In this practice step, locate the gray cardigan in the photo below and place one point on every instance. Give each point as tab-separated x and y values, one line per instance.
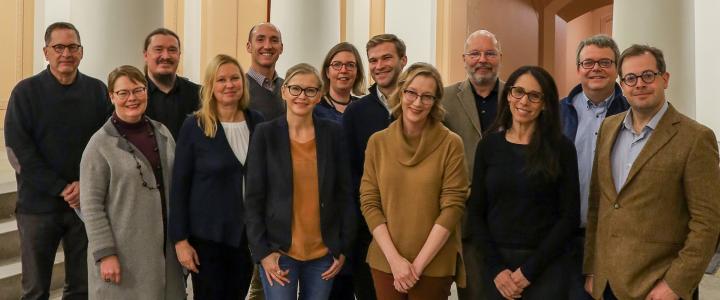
124	218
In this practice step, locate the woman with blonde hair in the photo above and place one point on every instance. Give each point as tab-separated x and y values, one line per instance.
300	222
413	192
207	224
124	182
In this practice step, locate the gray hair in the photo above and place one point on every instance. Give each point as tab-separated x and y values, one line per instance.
601	41
485	33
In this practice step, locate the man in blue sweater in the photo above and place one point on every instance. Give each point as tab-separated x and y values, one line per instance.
50	118
596	97
362	118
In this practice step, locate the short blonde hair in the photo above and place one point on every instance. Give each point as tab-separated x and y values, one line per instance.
303	68
207	115
437	112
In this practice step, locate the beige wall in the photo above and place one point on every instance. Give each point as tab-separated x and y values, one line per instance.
225	25
514	23
16	58
589	24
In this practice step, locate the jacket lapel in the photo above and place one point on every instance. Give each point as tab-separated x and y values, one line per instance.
604	165
322	144
467	100
282	151
662	134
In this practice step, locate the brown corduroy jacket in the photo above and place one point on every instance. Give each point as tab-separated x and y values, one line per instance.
664	222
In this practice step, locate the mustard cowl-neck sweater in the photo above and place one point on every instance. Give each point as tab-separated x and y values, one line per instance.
411	185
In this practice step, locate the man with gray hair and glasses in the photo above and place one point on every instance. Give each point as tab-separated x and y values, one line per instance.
49	121
471	106
596	97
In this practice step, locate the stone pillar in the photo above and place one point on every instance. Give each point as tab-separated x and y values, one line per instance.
669	26
309	29
112	32
707	61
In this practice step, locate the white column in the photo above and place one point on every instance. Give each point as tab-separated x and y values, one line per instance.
309	29
112	32
413	21
707	61
191	45
669	26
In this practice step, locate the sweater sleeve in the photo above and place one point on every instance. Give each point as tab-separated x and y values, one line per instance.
477	212
256	195
94	185
22	151
370	203
182	179
568	190
454	189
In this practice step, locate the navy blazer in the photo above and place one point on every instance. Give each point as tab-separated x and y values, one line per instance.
269	198
206	198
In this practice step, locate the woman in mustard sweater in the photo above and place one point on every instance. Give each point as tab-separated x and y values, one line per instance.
413	194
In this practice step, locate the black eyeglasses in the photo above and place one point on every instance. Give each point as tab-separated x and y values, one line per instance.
60	48
124	94
589	63
518	92
296	90
646	76
413	95
350	66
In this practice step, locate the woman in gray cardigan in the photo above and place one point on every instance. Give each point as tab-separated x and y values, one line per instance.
124	180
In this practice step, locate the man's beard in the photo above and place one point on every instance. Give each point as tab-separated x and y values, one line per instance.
481	79
164	79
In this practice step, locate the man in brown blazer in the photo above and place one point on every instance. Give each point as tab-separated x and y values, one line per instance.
654	208
471	106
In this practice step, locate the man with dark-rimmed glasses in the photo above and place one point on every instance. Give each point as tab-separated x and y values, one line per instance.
471	106
596	97
653	208
49	120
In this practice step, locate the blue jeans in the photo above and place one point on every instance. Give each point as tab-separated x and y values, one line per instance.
307	273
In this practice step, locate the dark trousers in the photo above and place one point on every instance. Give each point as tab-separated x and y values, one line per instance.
355	279
551	284
40	236
476	288
576	250
427	288
608	294
225	271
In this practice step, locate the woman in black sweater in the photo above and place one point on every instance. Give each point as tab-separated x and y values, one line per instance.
525	199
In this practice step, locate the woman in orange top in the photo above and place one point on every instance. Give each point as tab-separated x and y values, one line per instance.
298	202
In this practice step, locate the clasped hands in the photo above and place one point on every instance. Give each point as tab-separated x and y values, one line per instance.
405	273
274	273
511	284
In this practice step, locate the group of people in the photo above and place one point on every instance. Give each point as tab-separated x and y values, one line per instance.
274	188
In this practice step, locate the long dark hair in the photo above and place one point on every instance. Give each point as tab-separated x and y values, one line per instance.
542	157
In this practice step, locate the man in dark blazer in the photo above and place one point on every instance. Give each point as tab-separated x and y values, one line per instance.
582	112
362	118
471	106
654	214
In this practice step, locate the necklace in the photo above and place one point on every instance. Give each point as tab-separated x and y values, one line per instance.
333	102
138	166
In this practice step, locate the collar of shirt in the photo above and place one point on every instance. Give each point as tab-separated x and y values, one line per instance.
383	99
628	121
492	93
267	83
